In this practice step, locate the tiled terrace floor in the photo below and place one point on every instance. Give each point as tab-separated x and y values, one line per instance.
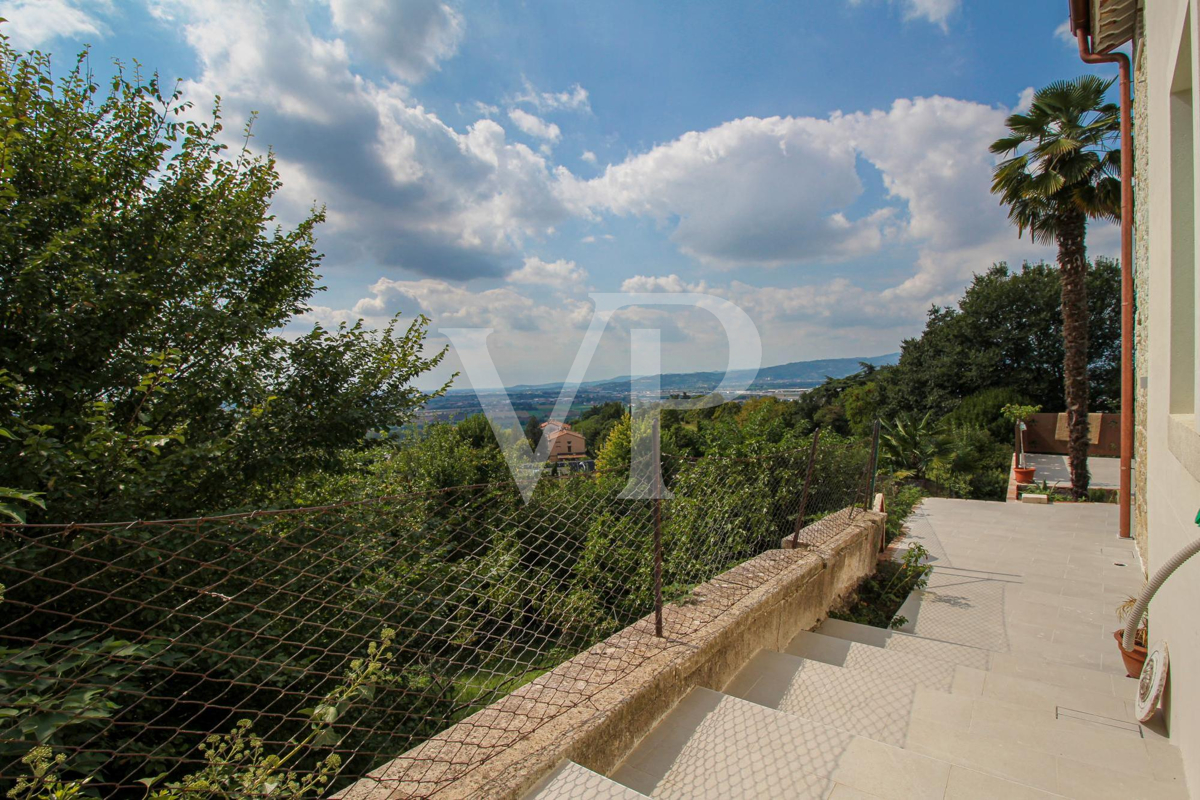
1054	470
1004	683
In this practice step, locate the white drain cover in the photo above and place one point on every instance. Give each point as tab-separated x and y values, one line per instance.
1150	685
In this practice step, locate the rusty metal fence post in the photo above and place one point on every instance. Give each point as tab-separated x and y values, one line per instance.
874	466
658	604
812	457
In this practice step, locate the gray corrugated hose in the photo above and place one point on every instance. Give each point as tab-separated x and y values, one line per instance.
1151	587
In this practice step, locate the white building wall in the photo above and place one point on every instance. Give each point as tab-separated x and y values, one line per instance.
1172	454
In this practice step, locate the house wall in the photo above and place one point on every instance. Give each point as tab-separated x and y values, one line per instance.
578	446
1171	463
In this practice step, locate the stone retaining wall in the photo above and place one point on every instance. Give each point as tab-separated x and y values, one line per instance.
594	708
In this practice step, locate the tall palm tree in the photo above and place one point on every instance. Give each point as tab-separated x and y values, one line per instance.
1063	168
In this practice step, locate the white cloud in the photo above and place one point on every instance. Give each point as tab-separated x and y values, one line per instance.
933	155
34	23
561	274
485	109
1065	35
534	126
937	12
407	189
751	191
574	98
1024	100
588	156
411	37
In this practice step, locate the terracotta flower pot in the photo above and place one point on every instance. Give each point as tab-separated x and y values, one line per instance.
1024	474
1134	659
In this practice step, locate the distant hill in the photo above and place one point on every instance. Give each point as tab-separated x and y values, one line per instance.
798	374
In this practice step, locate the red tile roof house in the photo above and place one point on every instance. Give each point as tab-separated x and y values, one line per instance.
565	444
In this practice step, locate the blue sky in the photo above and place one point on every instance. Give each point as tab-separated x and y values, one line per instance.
821	164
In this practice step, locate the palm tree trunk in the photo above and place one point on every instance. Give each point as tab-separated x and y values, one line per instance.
1072	263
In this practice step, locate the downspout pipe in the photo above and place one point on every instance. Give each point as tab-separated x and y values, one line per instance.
1080	22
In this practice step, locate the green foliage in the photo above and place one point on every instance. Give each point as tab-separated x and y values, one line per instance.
1063	159
11	498
914	447
1007	334
899	501
64	688
237	763
597	422
983	409
533	431
879	596
613	458
1015	412
143	282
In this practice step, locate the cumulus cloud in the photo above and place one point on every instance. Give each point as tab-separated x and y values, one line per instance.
34	23
410	37
575	98
534	126
408	190
933	155
588	156
759	191
561	274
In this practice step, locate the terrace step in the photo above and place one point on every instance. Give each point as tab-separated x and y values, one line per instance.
1011	742
574	782
853	700
884	664
715	746
956	679
1017	664
899	642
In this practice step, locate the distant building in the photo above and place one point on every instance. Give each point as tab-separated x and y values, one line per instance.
565	444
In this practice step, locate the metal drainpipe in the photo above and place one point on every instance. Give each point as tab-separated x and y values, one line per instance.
1122	62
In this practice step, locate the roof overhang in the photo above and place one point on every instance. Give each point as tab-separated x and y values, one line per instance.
1110	23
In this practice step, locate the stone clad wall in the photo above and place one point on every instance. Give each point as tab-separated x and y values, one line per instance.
1141	284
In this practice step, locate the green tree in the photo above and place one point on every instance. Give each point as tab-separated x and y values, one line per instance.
533	431
1063	168
914	447
1006	333
143	286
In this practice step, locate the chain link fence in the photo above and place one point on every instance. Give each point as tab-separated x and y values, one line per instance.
288	653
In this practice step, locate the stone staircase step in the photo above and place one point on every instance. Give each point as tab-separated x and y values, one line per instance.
900	667
900	642
883	709
1021	665
853	700
716	746
1043	753
574	782
954	678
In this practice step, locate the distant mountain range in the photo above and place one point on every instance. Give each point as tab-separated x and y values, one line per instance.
798	374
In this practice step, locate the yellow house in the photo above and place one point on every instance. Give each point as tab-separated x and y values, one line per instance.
565	444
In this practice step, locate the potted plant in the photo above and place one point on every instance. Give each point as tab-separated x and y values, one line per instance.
1017	414
1134	659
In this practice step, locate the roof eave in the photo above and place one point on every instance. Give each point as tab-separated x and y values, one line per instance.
1112	23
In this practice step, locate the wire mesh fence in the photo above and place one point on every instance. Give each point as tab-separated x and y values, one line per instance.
290	652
